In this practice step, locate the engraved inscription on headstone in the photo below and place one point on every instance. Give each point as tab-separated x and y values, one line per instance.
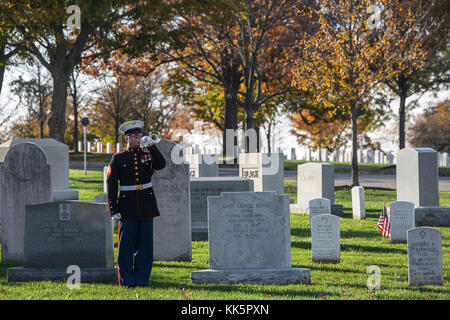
250	172
249	240
425	256
325	231
61	231
64	212
239	233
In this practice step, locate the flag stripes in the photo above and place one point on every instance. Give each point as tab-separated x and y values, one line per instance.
383	223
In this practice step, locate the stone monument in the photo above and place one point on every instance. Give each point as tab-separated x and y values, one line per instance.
418	182
58	159
315	180
25	179
325	242
250	240
172	229
201	188
66	233
401	219
265	169
425	257
318	206
358	203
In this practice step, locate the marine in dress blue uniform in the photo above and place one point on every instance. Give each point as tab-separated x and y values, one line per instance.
134	204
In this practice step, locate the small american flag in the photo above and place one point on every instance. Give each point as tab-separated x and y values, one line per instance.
383	223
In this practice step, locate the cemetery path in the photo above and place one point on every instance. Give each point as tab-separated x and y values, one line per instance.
341	179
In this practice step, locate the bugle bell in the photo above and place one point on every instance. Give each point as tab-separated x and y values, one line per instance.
149	140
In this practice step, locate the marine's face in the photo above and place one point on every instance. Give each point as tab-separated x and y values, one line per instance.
134	140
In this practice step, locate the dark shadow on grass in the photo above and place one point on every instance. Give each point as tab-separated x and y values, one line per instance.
93	180
352	248
278	290
380	249
191	266
301	232
301	244
331	267
360	234
356	285
429	289
370	213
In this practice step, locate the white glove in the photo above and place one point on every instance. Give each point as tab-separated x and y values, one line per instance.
117	216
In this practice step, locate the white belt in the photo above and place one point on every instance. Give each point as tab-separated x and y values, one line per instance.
136	187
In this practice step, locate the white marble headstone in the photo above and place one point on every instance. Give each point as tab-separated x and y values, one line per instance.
265	169
325	232
358	203
249	230
249	240
417	176
318	206
425	256
401	215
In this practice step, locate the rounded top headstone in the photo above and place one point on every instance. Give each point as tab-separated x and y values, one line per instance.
26	161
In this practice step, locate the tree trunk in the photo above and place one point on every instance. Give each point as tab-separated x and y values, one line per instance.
355	176
269	136
57	120
257	139
75	128
250	125
230	123
75	114
3	60
401	119
116	131
2	76
41	128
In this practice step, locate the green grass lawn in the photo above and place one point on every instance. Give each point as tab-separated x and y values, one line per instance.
361	246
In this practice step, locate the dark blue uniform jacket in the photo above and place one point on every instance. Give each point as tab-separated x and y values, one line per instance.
133	167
